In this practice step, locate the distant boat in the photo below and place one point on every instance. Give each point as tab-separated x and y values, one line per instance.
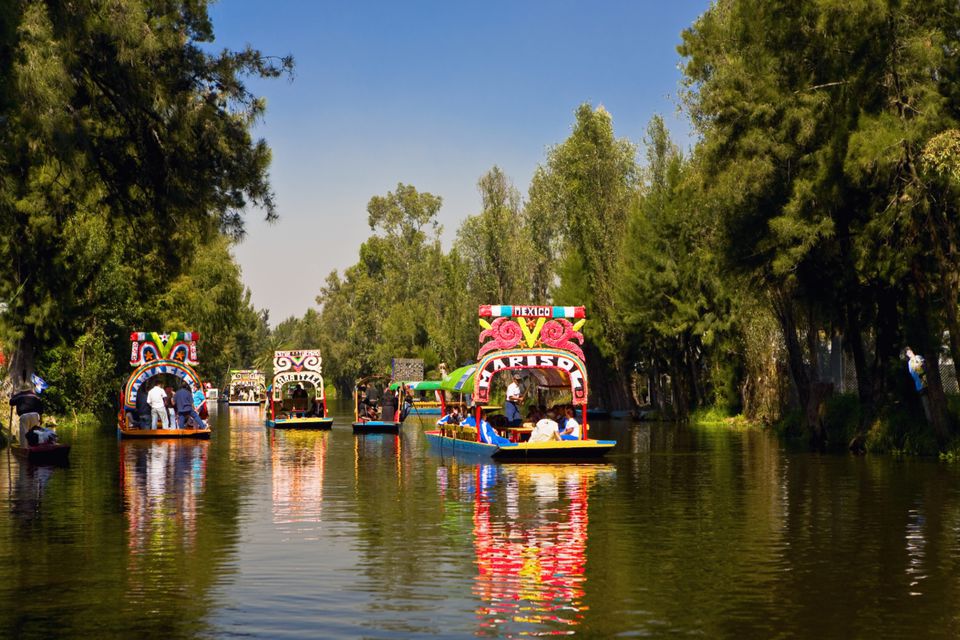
247	388
299	368
365	409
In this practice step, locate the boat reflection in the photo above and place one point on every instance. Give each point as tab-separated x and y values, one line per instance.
298	459
26	485
162	481
530	540
247	438
372	451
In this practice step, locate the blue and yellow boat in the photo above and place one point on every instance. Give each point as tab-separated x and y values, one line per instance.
541	343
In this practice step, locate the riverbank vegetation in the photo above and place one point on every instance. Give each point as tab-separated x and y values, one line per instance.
776	269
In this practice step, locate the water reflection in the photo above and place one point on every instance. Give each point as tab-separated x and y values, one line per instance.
29	484
530	539
373	451
298	459
162	482
248	436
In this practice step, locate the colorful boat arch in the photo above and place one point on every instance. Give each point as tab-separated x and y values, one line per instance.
552	368
155	368
541	339
304	365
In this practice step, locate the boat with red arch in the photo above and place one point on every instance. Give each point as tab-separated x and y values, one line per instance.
291	405
153	354
544	345
376	408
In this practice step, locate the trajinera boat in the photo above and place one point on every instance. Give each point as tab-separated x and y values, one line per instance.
425	396
291	405
247	388
541	343
153	354
375	406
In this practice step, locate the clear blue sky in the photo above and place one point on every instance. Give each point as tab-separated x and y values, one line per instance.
431	94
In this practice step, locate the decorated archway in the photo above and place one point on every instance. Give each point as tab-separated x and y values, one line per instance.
153	369
154	354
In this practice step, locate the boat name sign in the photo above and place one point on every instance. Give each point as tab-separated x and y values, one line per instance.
538	361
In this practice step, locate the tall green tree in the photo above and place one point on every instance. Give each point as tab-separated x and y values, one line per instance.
496	243
125	144
589	182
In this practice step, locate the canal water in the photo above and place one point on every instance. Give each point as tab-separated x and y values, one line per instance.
685	530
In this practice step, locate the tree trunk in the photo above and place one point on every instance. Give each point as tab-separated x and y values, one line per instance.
609	383
22	361
929	348
853	340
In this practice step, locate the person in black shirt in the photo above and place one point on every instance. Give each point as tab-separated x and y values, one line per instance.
29	407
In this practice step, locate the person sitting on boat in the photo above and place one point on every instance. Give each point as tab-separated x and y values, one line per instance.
156	398
41	435
571	428
316	408
29	407
487	433
453	417
514	399
545	430
183	400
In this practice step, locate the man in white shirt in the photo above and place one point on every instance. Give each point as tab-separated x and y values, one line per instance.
158	407
514	398
544	431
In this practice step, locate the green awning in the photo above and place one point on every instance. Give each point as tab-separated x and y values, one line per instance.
421	385
460	380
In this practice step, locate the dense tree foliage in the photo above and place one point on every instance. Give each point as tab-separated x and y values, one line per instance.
125	151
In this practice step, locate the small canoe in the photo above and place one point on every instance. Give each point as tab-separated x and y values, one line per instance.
300	423
164	433
43	453
376	426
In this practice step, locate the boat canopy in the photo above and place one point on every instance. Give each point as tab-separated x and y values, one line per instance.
154	354
539	340
421	385
459	380
301	366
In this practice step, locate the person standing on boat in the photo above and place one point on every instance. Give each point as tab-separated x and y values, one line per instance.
156	398
514	399
388	406
143	410
29	407
168	401
183	401
200	402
